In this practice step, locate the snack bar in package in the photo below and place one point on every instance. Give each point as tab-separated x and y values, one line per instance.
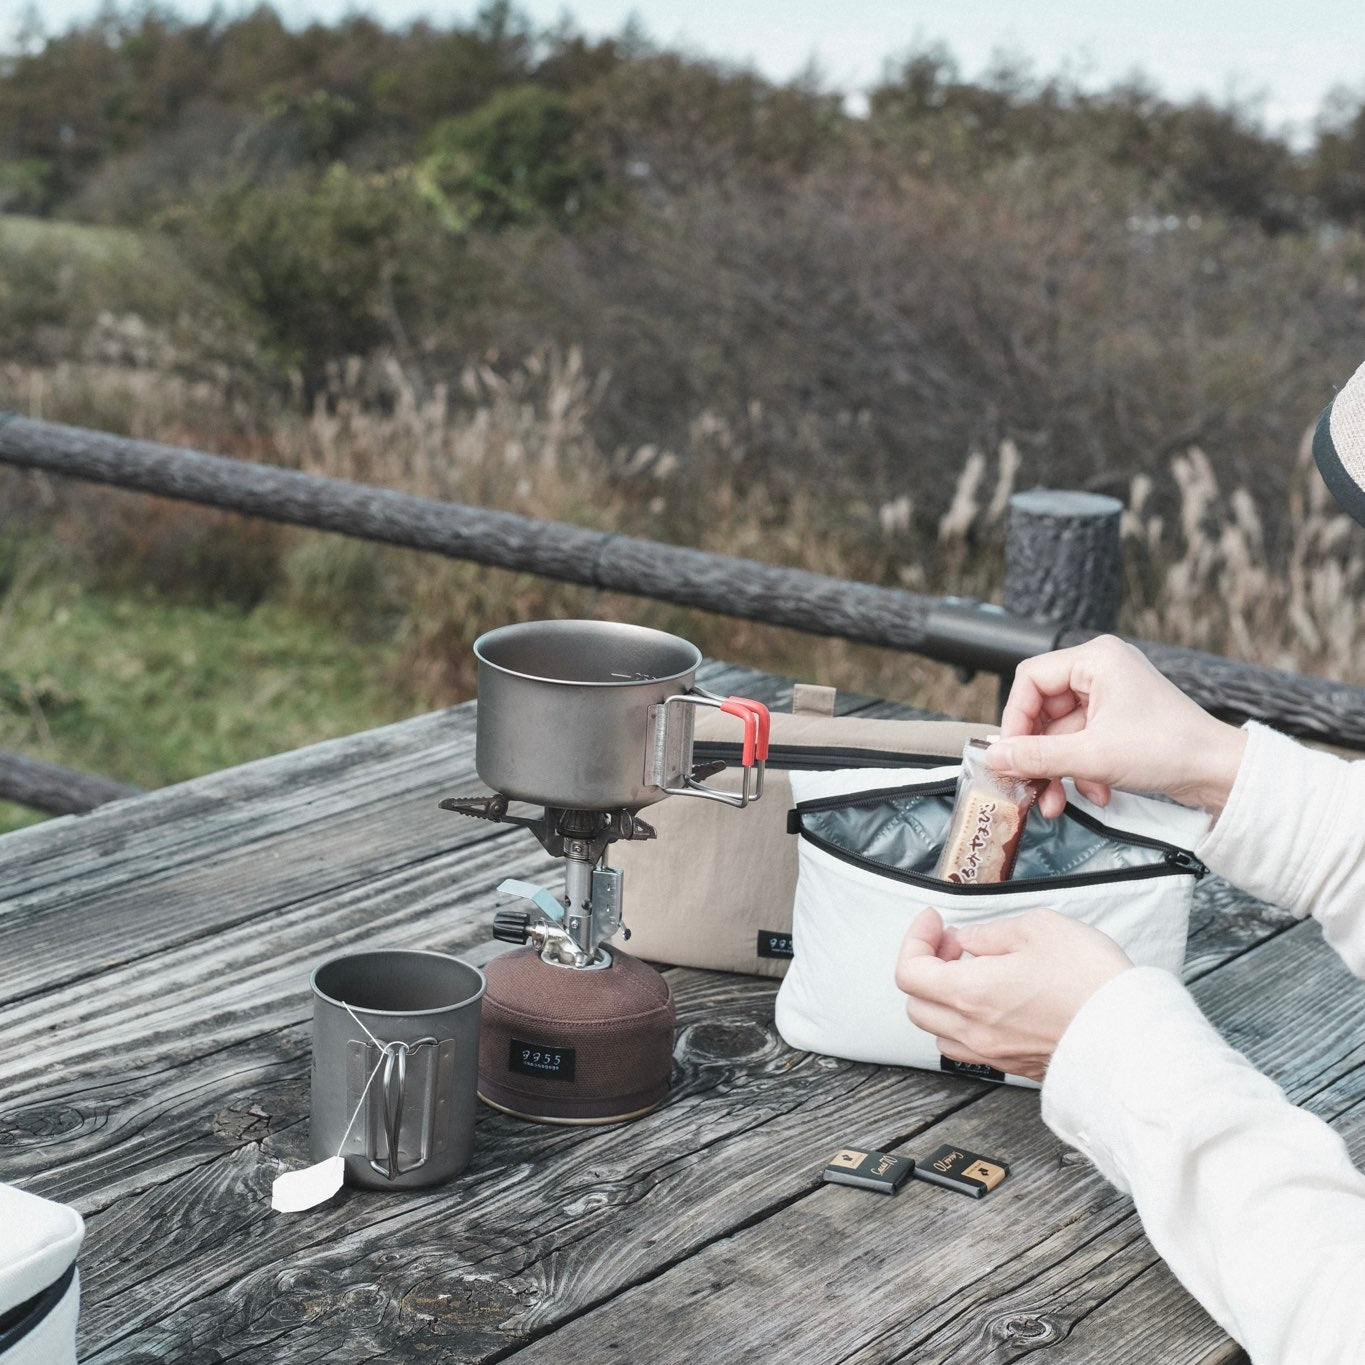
988	822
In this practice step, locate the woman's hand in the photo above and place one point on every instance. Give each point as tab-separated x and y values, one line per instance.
1101	714
1008	1004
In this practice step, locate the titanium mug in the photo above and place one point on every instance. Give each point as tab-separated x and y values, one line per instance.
411	1034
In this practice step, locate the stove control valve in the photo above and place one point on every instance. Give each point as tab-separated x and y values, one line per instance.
512	926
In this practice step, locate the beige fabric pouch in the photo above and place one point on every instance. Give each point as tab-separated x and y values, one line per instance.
716	888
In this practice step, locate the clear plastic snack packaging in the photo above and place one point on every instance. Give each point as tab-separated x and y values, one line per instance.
988	822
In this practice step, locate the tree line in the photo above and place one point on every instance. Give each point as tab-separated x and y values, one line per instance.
1089	273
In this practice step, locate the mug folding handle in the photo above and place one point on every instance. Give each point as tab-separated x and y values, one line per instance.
393	1086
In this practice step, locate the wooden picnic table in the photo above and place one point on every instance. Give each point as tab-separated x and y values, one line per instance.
154	1016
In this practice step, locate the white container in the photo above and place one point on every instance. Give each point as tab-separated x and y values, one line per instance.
39	1285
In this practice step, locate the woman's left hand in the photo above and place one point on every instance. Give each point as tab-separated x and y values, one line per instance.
1008	1001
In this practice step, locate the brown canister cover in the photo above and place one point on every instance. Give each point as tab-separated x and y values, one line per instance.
601	1041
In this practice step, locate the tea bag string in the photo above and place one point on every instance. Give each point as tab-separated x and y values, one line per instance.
384	1050
295	1191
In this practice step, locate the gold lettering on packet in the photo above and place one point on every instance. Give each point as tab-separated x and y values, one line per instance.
987	1172
848	1159
945	1163
884	1165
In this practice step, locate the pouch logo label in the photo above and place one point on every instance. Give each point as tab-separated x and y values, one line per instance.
976	1070
772	943
536	1059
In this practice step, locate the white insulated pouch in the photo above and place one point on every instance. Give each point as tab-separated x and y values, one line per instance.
868	845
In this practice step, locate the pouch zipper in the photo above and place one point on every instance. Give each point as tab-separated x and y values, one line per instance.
802	756
1175	861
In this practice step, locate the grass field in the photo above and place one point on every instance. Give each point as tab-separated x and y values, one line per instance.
152	692
79	240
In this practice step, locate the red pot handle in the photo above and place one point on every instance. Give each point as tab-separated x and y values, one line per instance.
765	724
737	706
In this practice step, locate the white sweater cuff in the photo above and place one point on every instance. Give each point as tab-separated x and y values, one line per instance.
1137	1051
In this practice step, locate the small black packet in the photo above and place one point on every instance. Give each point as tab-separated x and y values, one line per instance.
869	1170
955	1168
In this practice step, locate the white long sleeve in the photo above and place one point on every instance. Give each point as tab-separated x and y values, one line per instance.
1253	1203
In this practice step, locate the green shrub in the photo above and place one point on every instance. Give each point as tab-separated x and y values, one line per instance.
514	160
316	257
172	551
26	185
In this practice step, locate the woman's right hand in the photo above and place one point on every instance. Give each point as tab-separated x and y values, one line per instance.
1101	714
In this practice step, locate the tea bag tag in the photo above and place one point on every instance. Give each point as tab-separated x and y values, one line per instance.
295	1191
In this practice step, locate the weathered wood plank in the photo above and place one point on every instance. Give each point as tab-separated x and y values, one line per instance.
710	1036
164	1093
235	846
549	1218
705	1304
145	1020
601	559
247	982
1311	708
1063	558
840	1274
104	842
155	1029
1224	922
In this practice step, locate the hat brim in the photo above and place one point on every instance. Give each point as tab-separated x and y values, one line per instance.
1343	487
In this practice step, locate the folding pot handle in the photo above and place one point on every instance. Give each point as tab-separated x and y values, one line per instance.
753	754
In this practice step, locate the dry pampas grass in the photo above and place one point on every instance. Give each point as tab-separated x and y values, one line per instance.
1206	565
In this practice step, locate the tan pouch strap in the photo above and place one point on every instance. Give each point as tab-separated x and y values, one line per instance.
812	699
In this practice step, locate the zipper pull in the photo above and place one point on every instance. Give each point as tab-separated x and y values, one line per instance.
1186	862
794	822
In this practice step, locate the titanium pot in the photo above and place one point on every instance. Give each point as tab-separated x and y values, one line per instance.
596	715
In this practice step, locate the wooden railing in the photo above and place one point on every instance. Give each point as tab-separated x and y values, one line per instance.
1061	574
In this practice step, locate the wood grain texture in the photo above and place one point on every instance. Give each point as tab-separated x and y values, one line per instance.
1311	708
155	1074
235	846
1053	1261
735	587
549	1220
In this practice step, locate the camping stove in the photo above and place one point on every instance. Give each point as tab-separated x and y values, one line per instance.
589	721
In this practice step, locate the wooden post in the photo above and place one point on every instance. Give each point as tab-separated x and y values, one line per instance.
1062	561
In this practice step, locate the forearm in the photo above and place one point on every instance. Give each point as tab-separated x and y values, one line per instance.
1292	833
1252	1202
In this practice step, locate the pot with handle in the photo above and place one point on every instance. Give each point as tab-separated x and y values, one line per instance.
598	715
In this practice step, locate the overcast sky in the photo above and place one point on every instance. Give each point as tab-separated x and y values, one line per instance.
1290	53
